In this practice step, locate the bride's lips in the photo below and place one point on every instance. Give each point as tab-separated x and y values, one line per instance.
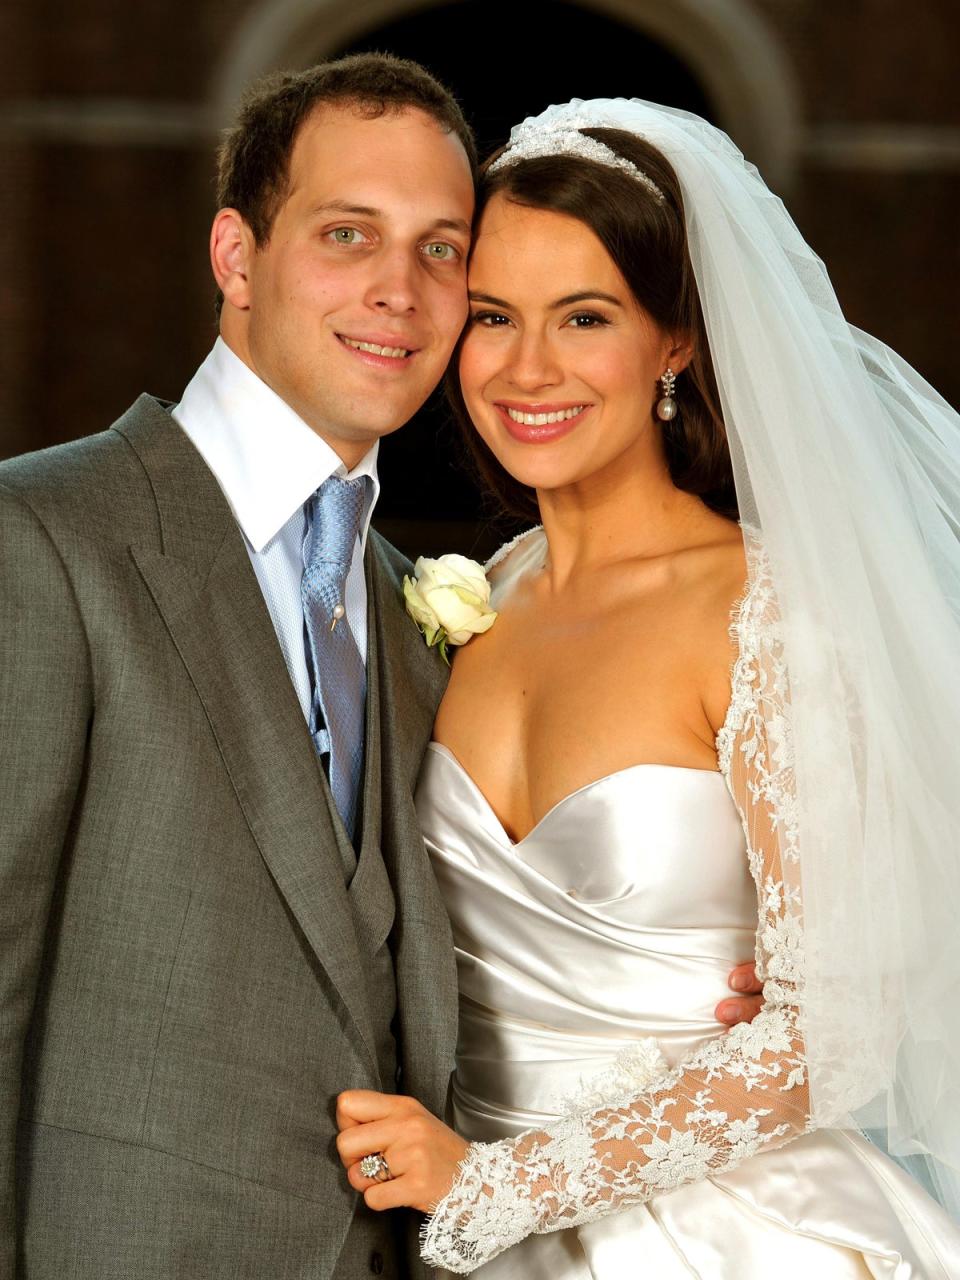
379	351
528	421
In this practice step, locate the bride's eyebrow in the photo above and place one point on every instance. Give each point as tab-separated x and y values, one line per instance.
488	298
587	295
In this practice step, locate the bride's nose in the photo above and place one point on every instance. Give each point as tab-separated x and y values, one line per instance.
533	363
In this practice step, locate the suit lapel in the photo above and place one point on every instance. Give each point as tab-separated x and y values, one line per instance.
204	586
370	893
412	676
411	681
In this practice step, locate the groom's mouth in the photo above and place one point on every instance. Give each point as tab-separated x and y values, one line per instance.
380	353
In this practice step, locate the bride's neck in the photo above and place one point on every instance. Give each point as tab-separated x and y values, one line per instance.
624	512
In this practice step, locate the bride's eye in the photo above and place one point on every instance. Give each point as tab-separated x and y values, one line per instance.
492	319
587	320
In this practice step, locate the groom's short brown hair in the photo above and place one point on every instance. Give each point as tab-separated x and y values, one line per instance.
254	157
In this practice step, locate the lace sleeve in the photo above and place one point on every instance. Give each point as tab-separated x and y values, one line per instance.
739	1093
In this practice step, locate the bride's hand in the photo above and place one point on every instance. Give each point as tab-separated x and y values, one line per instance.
422	1153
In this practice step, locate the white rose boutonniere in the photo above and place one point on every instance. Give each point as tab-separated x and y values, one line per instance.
449	600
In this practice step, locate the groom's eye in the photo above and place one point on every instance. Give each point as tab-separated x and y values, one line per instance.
440	251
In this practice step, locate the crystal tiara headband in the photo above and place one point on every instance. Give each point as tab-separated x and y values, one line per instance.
536	139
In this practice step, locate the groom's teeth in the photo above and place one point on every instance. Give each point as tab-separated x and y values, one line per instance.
395	353
542	419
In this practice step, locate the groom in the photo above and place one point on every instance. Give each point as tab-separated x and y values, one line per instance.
215	907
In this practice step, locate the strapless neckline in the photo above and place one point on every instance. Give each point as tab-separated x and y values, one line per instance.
628	771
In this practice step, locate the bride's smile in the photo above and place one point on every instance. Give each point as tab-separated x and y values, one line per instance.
538	422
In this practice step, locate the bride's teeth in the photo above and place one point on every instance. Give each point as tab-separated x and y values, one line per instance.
542	419
394	353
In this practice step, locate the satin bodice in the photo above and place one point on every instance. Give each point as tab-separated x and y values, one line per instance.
671	839
617	917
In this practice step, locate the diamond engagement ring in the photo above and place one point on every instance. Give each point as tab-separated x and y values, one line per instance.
375	1167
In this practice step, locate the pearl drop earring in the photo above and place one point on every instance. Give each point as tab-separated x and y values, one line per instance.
667	407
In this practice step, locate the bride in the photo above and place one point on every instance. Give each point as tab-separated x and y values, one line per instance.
718	703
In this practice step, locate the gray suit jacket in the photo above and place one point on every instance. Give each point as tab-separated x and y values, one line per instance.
186	978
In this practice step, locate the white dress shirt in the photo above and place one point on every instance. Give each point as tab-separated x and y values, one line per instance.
268	463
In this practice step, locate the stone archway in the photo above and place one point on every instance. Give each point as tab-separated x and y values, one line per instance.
731	50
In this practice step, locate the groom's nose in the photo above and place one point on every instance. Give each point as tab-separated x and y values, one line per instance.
393	286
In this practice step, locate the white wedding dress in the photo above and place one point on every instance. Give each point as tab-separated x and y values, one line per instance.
591	956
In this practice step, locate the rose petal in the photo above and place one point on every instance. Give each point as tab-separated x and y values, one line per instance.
420	611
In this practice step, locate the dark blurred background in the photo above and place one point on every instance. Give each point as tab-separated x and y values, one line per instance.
109	115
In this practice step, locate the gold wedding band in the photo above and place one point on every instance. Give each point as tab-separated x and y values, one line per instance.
375	1166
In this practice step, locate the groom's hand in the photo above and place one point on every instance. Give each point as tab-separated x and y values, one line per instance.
743	980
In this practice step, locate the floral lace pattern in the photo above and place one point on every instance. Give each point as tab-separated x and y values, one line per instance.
631	1071
737	1094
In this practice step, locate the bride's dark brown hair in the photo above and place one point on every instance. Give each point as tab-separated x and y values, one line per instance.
648	243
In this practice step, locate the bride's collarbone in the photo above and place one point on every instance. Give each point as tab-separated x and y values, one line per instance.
664	659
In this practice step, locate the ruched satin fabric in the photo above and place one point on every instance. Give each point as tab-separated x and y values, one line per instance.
593	952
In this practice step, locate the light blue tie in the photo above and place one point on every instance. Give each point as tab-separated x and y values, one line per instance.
337	674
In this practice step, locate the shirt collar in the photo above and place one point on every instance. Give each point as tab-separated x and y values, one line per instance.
266	459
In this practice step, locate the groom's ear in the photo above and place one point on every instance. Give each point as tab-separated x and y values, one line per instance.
231	249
